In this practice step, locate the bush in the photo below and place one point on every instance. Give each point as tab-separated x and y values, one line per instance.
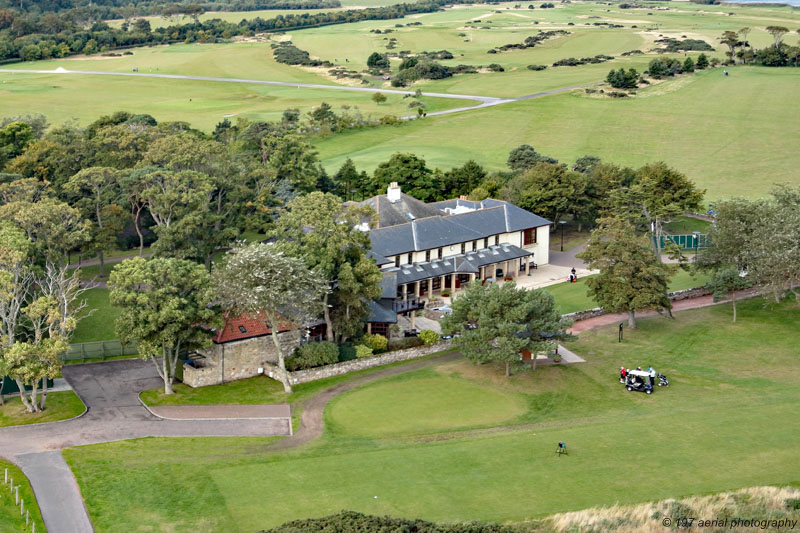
347	352
313	354
429	337
405	342
363	351
496	67
621	79
537	67
353	521
378	343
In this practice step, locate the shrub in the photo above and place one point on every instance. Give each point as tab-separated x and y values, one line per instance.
621	79
429	337
445	294
354	521
313	354
537	67
496	67
405	342
347	352
378	343
363	351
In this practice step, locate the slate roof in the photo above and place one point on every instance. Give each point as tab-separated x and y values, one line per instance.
491	217
393	213
381	311
468	263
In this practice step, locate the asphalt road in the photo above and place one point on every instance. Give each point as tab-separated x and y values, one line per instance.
110	391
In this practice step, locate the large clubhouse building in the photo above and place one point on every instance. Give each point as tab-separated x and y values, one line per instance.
425	250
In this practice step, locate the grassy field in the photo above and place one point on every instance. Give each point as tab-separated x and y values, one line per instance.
99	326
703	125
59	406
732	401
10	520
571	297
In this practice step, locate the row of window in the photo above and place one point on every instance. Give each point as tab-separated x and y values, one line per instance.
410	256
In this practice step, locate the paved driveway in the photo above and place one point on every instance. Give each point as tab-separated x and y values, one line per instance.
110	392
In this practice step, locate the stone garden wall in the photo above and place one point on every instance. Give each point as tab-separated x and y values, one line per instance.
337	369
674	296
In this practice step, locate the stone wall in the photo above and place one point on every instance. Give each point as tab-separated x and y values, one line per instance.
337	369
674	296
237	360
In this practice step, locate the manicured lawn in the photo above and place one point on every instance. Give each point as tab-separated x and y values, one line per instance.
732	402
99	326
10	520
59	406
430	403
571	297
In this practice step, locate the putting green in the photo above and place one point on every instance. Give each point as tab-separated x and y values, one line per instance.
420	402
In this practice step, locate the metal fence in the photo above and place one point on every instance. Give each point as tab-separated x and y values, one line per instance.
692	241
101	350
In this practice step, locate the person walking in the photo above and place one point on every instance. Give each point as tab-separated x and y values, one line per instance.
652	372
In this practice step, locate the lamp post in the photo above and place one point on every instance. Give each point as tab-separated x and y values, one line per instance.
696	244
562	223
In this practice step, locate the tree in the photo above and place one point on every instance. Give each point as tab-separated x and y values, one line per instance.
688	65
702	62
318	228
508	319
777	33
731	40
378	60
622	79
525	157
728	281
631	279
378	98
14	137
657	194
410	172
347	180
291	158
549	190
586	164
262	278
462	180
164	304
96	191
54	227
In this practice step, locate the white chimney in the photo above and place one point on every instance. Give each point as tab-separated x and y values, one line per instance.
393	192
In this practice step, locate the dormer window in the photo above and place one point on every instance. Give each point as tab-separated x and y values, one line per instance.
486	242
440	253
410	258
427	256
463	247
496	240
397	261
474	245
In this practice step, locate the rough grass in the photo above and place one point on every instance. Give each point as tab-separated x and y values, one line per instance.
59	406
730	383
10	519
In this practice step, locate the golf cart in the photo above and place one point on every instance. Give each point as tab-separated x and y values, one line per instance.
638	380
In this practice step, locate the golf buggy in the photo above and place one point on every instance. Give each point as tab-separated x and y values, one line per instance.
638	380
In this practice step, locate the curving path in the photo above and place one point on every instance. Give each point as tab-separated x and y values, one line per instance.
483	101
110	391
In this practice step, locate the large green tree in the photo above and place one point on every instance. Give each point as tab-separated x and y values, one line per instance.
547	189
327	235
164	304
411	173
96	192
496	322
263	278
631	278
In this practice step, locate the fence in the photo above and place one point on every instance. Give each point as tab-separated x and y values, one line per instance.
691	241
98	350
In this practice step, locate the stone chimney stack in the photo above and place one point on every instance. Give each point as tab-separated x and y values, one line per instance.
393	192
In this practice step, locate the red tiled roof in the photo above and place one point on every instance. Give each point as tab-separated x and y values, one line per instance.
254	324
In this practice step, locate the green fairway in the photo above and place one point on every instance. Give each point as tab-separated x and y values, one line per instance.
732	402
703	125
59	406
10	519
99	326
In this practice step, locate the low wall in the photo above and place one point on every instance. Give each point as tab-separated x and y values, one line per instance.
337	369
674	296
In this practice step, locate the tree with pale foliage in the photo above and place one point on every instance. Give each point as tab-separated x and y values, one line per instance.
326	234
631	278
497	322
165	307
39	310
52	226
263	278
